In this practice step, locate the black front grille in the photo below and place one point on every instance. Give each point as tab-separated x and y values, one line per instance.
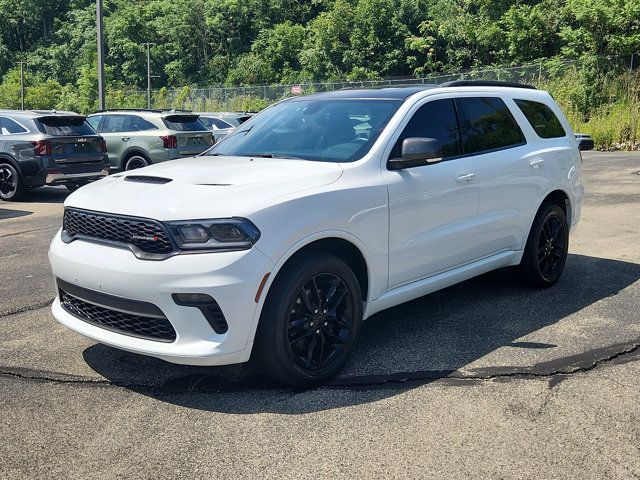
149	328
147	235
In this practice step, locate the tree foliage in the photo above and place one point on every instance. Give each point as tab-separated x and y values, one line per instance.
243	42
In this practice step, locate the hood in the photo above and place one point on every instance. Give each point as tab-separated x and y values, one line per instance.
203	187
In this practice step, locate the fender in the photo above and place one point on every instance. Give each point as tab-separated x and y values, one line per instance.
533	217
292	251
4	158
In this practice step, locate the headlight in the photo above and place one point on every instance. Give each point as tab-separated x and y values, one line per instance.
218	234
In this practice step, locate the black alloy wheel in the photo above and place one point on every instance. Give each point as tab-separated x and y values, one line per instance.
552	247
320	319
547	248
310	320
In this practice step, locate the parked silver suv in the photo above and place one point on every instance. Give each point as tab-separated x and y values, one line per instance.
39	147
138	137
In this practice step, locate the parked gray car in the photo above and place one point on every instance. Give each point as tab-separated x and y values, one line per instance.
220	128
39	147
139	137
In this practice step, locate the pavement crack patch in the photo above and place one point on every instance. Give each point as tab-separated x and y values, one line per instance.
13	234
563	367
27	308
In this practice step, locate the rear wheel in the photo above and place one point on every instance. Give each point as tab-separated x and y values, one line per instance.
547	247
11	186
135	161
310	321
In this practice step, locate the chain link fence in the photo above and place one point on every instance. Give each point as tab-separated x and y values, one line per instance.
256	97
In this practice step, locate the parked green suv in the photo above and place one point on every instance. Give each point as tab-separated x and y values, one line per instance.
137	138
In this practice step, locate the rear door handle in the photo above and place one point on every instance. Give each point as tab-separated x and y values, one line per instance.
126	139
536	163
466	178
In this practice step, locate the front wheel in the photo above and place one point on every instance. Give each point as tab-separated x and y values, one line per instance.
310	321
547	247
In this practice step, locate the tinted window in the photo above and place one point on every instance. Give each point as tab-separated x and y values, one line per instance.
487	124
64	126
10	127
184	123
139	124
216	123
329	130
541	118
94	121
437	120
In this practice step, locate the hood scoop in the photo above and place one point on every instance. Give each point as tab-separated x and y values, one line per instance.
146	179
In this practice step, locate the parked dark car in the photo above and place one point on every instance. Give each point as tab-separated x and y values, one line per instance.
48	148
585	142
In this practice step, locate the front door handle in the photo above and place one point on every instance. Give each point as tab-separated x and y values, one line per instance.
466	178
536	163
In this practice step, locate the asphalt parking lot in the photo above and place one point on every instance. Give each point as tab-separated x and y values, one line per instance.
486	379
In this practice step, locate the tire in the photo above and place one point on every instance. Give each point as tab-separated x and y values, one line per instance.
136	161
545	253
299	342
11	186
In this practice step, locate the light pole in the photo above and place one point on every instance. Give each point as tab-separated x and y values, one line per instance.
101	102
22	85
148	45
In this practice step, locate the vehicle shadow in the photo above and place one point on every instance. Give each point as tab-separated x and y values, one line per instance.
46	195
6	213
424	340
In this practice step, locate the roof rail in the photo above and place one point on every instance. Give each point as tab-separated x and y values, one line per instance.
154	110
129	110
486	83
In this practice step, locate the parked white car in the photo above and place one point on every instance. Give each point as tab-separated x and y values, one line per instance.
302	223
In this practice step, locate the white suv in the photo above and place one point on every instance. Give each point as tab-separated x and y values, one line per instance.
314	215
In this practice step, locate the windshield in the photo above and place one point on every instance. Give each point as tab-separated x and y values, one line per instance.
329	130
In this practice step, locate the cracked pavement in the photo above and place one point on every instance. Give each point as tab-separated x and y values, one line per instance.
485	379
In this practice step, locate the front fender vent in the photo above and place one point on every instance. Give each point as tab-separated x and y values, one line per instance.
146	179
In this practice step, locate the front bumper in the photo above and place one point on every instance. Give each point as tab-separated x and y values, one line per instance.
231	278
56	177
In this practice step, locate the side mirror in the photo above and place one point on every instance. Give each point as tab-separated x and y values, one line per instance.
417	152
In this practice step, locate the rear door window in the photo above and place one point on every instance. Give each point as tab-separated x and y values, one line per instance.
184	123
11	127
487	124
63	126
542	119
437	120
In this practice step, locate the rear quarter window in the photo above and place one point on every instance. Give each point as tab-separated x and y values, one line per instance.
542	119
11	127
184	123
487	124
63	126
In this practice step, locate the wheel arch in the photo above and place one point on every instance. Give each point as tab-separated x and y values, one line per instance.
339	243
130	153
4	158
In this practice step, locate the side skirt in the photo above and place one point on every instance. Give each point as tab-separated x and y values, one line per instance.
431	284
